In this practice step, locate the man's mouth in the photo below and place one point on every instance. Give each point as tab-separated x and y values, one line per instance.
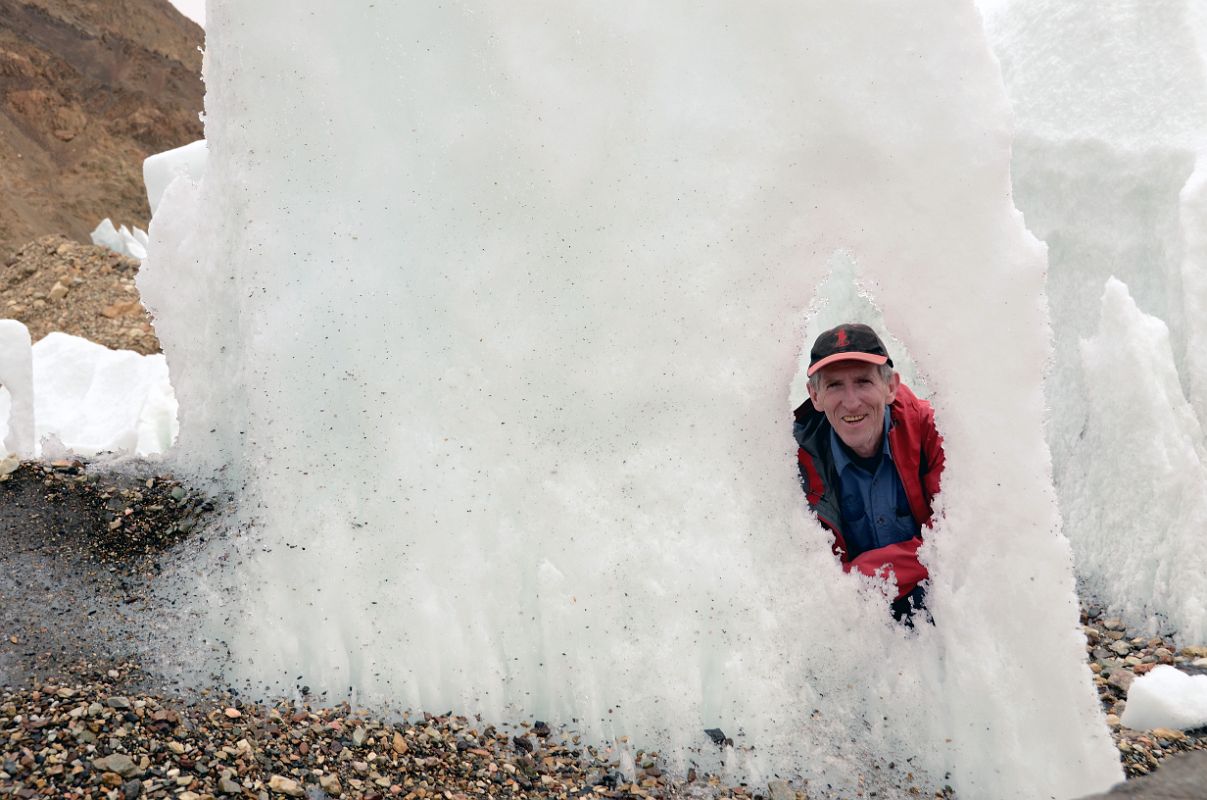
851	420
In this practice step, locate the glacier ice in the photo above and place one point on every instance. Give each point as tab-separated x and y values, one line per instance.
1142	548
159	170
496	355
1111	101
17	383
89	398
122	240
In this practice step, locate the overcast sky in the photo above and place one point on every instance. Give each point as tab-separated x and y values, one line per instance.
193	9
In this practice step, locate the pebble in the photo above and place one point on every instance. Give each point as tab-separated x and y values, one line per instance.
285	786
119	763
1121	679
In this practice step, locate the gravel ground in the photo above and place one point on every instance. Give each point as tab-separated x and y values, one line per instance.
55	284
80	554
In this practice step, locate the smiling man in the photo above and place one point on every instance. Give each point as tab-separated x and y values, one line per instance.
870	459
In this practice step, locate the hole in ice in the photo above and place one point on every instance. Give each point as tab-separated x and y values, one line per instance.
869	476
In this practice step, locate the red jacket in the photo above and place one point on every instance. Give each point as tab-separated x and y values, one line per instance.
917	450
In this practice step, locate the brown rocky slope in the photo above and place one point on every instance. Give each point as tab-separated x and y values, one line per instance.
88	89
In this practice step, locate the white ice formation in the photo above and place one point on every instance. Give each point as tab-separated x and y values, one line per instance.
1143	547
122	240
1166	698
90	398
16	390
497	352
161	169
1111	101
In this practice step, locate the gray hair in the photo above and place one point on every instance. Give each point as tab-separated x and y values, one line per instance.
885	370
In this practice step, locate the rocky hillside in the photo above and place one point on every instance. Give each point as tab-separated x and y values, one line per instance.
88	89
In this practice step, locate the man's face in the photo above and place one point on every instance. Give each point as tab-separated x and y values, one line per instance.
852	395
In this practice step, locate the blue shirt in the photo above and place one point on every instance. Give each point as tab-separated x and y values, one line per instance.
875	510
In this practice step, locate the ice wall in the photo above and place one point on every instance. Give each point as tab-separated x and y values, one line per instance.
489	314
1141	430
16	378
1111	100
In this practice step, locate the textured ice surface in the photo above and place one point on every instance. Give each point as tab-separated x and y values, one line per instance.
17	400
122	240
1193	218
1111	101
161	169
95	399
1166	698
497	354
1143	549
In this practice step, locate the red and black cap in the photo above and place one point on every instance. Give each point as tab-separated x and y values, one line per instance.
850	341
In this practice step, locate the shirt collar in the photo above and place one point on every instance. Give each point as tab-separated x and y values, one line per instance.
841	461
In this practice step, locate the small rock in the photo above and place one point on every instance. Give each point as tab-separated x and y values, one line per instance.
132	789
1113	624
1121	679
1195	651
120	703
1121	647
58	291
358	736
398	745
233	713
1112	720
118	762
286	786
329	783
780	790
1168	734
228	786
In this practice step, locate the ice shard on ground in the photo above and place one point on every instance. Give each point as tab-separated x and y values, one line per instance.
489	316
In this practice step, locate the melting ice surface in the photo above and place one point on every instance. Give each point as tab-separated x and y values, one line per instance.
1109	169
496	354
89	398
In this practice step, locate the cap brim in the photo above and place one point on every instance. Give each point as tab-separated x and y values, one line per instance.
867	358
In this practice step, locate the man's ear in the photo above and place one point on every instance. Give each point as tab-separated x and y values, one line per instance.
893	384
812	393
